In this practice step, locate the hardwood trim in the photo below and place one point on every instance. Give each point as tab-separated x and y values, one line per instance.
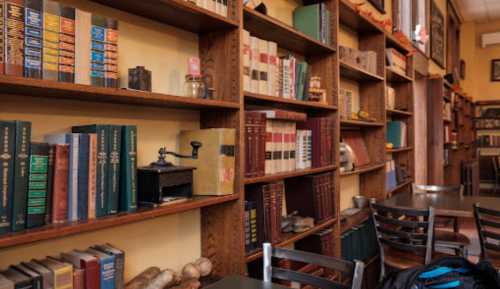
400	186
360	123
395	76
177	13
292	238
363	170
255	98
349	17
55	231
356	73
398	150
287	175
62	90
397	112
286	36
393	42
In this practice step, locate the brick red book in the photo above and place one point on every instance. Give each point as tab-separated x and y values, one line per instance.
88	264
355	140
60	184
255	141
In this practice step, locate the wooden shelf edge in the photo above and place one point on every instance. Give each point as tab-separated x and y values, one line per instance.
55	231
398	150
290	102
363	74
360	123
400	186
363	170
399	112
296	237
351	221
396	76
397	44
71	91
287	175
276	24
348	10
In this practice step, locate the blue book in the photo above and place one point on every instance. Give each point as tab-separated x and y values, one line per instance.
73	140
83	176
33	38
107	268
390	175
395	133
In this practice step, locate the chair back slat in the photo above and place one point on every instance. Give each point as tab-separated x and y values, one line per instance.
354	270
488	226
316	259
303	278
404	230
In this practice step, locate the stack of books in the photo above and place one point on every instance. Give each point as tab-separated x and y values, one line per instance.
75	176
215	6
396	60
366	60
360	242
268	74
97	267
397	134
488	141
48	40
485	123
314	21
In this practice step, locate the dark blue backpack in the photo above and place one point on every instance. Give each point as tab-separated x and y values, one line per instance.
446	273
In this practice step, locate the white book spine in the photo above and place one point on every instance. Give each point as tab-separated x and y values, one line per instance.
263	66
293	144
272	66
83	47
254	64
246	61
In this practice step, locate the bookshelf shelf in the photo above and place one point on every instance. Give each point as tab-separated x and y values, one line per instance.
395	76
350	18
291	238
355	73
363	170
255	98
397	112
346	223
177	13
63	230
392	41
399	150
400	186
287	175
359	123
61	90
286	36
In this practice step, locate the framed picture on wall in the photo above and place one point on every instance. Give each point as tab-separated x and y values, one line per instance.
379	4
437	35
495	70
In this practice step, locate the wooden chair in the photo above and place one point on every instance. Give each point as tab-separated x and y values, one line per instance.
450	237
405	236
353	269
488	227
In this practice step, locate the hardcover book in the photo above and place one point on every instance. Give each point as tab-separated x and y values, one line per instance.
45	273
255	141
115	133
50	183
51	30
355	140
106	267
91	201
83	46
254	64
60	188
263	66
37	188
33	44
7	137
83	176
2	37
102	168
6	283
21	170
62	273
98	37
14	37
128	169
119	263
67	45
20	280
322	139
111	54
214	174
88	263
36	279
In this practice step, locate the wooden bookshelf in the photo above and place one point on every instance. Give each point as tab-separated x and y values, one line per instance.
355	73
399	150
63	230
350	18
399	187
349	222
287	175
397	112
360	123
267	100
363	170
396	76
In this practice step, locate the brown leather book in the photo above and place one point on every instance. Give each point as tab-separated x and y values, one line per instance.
355	140
268	199
255	141
60	186
322	134
78	279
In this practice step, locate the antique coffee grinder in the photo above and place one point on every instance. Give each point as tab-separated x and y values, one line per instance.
163	183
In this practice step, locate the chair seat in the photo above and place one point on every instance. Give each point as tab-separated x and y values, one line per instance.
450	239
402	260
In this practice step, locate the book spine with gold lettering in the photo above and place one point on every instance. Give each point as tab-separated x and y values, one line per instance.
14	37
37	186
111	54
7	144
33	44
67	45
21	170
115	133
128	169
2	36
51	30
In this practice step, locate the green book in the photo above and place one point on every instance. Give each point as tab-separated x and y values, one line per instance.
307	20
115	134
128	169
37	186
7	143
394	133
21	170
102	179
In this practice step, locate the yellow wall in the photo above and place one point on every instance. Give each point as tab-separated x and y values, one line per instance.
168	241
478	60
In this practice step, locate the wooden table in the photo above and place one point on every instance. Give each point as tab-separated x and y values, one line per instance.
445	204
241	282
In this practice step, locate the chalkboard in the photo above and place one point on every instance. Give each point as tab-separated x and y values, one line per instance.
437	34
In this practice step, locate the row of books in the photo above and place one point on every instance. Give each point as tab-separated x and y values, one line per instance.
397	134
75	176
485	123
360	242
450	136
396	60
345	103
49	40
276	142
366	60
488	141
314	21
268	74
309	196
97	267
216	6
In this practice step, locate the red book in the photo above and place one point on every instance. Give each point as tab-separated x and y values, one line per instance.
89	266
60	186
322	139
355	140
255	141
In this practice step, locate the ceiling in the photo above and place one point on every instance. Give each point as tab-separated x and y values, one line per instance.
479	10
